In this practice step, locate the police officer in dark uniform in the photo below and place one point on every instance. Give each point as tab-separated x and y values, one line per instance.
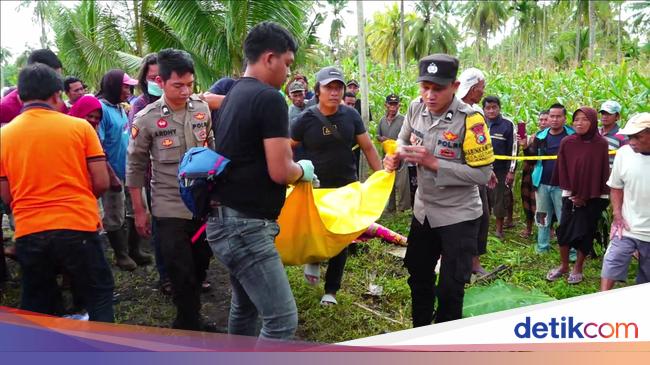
162	132
450	144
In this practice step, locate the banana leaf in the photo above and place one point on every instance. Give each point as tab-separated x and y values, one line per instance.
499	296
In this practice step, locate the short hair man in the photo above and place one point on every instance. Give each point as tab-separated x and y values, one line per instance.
610	114
629	193
449	142
161	133
74	89
297	96
505	144
349	99
11	105
388	128
55	228
253	132
548	197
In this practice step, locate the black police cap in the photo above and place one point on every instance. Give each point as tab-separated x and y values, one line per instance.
439	68
392	98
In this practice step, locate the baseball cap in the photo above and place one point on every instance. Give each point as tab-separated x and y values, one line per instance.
636	124
352	82
127	80
610	107
438	68
329	74
392	98
296	86
468	78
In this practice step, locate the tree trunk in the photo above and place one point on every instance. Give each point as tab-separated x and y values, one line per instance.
361	39
138	28
592	29
543	35
402	54
619	53
578	33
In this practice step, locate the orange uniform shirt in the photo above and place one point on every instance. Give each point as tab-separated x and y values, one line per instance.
44	156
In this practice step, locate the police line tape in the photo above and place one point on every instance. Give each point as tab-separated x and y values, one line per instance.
533	158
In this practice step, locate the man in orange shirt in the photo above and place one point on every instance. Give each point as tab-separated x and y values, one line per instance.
52	169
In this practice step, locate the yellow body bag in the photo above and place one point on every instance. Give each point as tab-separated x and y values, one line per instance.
317	224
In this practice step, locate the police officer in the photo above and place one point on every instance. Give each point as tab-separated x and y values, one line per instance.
450	144
162	132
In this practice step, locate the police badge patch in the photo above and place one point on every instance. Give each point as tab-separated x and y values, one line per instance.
432	69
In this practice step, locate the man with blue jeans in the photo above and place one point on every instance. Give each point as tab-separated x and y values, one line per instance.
253	132
549	197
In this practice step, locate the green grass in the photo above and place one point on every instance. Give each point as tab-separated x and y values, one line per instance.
140	302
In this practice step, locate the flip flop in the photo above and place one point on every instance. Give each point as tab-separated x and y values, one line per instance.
575	278
328	299
555	274
312	273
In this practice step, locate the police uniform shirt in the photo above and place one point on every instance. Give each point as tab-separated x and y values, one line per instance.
450	195
163	136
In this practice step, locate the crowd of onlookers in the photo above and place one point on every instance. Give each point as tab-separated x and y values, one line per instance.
67	184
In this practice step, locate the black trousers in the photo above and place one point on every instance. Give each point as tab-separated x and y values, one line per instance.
457	244
44	254
185	264
334	273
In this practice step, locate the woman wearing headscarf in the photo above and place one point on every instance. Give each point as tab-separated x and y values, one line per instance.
115	89
581	172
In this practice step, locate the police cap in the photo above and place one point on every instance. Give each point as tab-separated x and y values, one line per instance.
439	68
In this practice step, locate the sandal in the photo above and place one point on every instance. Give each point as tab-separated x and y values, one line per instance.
555	274
328	299
312	273
575	278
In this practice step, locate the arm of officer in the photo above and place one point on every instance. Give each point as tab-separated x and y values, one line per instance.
137	159
455	174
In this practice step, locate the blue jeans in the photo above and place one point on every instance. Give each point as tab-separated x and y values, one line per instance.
549	202
259	283
44	254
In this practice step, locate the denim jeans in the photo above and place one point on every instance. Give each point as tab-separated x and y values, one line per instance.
257	276
42	255
549	202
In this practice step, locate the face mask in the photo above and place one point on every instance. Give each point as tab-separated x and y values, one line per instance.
153	89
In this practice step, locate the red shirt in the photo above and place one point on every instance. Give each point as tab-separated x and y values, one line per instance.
11	106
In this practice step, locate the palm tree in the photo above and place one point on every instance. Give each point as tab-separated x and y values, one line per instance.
336	27
592	28
43	11
485	18
402	52
429	33
383	35
365	113
90	42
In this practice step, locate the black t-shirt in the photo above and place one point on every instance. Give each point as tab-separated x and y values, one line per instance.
251	112
333	160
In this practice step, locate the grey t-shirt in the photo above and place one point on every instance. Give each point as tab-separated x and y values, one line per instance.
390	130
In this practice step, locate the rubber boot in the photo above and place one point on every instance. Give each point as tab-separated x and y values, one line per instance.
141	258
119	244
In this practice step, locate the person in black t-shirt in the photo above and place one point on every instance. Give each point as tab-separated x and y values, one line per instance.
252	132
327	134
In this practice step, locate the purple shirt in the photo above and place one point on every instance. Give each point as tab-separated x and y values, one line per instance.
11	106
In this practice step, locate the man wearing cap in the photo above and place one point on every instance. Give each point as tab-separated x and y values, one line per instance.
327	133
389	127
161	133
472	87
353	87
630	193
297	96
610	113
450	143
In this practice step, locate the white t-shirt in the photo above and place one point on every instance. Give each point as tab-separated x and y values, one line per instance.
631	172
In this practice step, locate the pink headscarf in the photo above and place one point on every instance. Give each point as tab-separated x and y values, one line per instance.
84	106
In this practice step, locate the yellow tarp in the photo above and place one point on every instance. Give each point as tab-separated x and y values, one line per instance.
317	224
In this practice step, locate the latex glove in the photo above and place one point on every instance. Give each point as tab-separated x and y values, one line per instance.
307	170
315	183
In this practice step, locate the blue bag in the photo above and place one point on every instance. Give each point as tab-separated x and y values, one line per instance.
197	174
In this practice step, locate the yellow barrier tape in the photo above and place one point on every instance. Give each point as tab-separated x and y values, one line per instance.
533	158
